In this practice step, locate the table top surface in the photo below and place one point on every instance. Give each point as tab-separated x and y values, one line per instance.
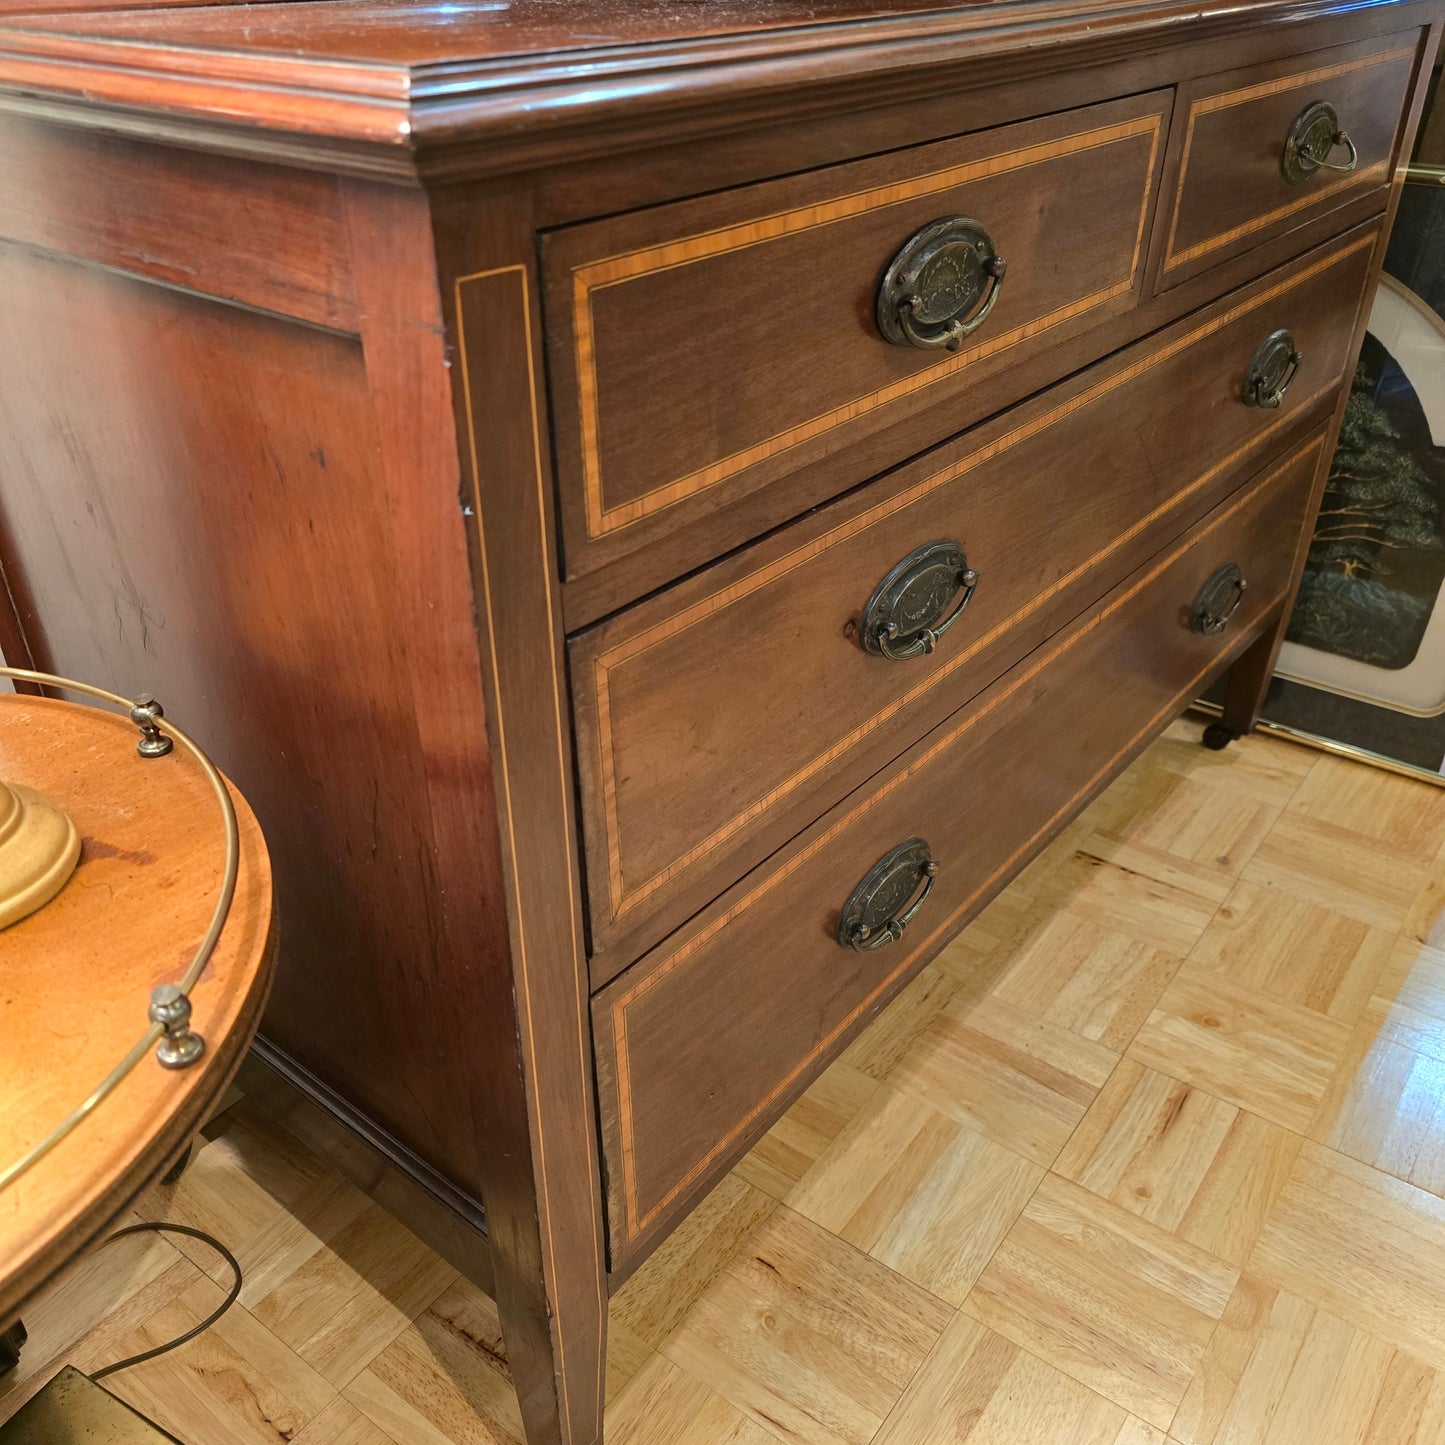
76	978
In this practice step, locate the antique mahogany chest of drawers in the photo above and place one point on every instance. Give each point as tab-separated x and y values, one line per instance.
664	510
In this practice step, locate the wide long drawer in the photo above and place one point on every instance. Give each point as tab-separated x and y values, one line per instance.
720	717
703	351
705	1041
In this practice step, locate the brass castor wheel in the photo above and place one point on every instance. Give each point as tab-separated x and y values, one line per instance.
1217	737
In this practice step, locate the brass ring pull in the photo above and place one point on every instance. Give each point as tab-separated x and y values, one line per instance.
1312	139
941	286
875	914
909	609
1274	365
1218	600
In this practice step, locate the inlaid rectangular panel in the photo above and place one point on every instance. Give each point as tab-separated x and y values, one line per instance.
702	351
718	718
1230	185
703	1043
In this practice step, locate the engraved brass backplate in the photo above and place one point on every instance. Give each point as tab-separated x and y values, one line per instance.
1218	600
878	909
941	286
1312	138
910	608
1271	369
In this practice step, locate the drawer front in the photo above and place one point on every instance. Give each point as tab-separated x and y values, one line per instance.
702	1044
719	718
702	350
1234	185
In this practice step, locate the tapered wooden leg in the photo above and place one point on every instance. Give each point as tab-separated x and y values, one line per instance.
539	1169
1245	686
542	1180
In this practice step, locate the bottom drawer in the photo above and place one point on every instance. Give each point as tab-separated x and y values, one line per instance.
702	1043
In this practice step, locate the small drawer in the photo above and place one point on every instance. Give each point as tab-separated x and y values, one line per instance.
1267	149
716	720
701	1045
702	351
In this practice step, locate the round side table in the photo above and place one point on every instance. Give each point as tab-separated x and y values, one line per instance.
77	980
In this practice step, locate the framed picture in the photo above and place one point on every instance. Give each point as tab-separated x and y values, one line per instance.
1363	666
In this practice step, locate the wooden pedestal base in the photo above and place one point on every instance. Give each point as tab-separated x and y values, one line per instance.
39	849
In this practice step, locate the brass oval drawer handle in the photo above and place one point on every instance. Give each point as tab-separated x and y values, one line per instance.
1273	367
941	286
875	914
909	609
1311	141
1218	600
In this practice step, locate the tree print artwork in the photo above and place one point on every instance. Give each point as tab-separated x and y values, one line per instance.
1377	561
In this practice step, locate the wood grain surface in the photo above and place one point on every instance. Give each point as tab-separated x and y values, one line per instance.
698	1049
702	746
1229	191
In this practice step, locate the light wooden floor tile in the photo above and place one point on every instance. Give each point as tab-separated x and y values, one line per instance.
1182	1159
1143	892
245	1174
666	1404
1216	828
878	1048
288	1241
1268	1057
1426	920
919	1192
1386	1106
1019	1080
105	1298
1365	1247
1084	977
1257	767
444	1379
341	1423
993	930
1405	815
654	1302
978	1388
1338	870
794	1144
1110	1299
808	1335
350	1298
236	1384
1294	950
1028	885
1281	1372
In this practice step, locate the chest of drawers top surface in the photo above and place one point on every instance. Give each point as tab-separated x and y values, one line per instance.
376	85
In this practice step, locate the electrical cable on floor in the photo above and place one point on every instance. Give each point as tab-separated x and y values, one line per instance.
205	1324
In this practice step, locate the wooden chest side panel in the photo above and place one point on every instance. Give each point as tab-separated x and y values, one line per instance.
195	505
264	236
